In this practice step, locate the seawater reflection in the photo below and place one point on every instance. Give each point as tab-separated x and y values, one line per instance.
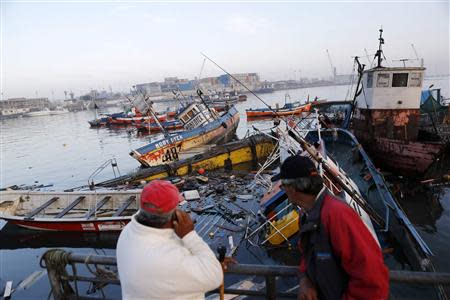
63	151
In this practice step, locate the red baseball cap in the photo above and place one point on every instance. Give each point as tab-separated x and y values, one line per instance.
160	196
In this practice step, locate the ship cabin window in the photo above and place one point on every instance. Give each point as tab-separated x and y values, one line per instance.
415	80
369	80
185	118
383	79
399	79
190	114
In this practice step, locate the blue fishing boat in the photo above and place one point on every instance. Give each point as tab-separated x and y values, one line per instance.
348	171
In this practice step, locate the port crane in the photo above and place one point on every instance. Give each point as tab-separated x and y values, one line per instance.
333	68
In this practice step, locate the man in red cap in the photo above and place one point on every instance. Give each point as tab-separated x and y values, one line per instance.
340	257
159	255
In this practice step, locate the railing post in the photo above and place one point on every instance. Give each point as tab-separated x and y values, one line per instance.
271	288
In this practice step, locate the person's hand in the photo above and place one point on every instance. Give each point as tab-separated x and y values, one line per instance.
228	261
183	223
307	291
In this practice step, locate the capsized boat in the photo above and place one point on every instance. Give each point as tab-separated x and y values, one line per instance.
202	126
69	211
253	149
288	109
386	117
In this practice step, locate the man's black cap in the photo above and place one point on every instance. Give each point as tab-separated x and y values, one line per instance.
296	166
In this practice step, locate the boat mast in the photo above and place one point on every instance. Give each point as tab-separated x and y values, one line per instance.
360	69
380	51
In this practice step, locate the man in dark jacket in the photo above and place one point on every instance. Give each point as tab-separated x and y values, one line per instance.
340	257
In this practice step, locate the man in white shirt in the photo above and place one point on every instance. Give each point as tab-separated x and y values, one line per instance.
159	255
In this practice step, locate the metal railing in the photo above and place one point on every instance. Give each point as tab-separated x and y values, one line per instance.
60	278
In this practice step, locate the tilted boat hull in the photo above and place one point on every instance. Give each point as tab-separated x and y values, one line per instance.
352	158
170	149
252	149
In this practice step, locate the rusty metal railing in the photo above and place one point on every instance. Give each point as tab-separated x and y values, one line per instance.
57	261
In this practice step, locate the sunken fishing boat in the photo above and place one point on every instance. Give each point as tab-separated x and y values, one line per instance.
386	117
348	173
202	125
229	156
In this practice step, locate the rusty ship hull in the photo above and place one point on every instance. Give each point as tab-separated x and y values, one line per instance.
390	136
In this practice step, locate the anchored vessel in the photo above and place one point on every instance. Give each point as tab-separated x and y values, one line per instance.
288	109
387	115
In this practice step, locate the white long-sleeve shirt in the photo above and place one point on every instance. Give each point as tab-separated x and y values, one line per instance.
156	264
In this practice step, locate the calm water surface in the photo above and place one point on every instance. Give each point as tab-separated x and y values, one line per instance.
62	151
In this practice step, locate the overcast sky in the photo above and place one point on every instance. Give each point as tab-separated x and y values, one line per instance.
56	46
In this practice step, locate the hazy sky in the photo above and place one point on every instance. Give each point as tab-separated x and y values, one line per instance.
79	45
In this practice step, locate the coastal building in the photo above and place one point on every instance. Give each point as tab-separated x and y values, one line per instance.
26	103
222	82
151	88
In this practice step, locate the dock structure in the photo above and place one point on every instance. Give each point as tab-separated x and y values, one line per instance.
64	284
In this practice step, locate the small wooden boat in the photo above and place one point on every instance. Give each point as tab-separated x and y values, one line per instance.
202	126
69	211
288	109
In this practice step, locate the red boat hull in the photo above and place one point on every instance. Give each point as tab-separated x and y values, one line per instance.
390	137
277	112
85	226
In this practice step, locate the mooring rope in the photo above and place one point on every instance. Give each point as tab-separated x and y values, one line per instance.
57	260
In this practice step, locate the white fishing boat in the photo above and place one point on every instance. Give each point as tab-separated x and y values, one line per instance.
59	111
10	113
37	113
69	211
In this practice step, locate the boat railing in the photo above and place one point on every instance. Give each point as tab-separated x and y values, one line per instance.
114	166
65	284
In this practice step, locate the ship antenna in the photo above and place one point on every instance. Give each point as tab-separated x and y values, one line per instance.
380	51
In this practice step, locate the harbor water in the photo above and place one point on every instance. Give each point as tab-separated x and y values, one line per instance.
62	151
